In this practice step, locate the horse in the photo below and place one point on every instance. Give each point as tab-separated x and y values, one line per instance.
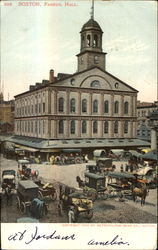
34	174
8	194
81	183
140	192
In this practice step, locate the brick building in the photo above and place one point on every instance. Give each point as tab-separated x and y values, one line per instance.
88	109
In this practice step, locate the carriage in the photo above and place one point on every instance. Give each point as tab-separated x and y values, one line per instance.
76	200
96	182
27	199
120	183
24	170
8	179
69	156
46	190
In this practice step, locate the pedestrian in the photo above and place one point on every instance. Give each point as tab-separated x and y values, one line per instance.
121	168
131	168
126	168
60	208
71	216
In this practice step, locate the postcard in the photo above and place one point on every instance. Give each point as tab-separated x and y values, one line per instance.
78	126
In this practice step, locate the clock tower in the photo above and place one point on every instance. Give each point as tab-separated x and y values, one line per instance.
91	54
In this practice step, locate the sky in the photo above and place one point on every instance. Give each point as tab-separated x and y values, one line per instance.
35	39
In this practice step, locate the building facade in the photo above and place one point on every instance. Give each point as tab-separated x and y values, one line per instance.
88	109
144	110
91	103
6	115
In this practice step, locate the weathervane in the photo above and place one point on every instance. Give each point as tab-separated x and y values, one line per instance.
92	10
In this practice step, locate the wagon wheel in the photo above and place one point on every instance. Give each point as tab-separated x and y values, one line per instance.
54	196
18	202
22	207
40	195
89	214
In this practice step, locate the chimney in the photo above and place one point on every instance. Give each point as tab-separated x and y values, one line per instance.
51	76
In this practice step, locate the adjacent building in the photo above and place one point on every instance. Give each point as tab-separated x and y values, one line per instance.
144	110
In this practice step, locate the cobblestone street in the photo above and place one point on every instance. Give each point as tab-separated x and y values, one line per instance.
108	211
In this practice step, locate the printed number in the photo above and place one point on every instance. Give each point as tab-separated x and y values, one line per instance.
7	4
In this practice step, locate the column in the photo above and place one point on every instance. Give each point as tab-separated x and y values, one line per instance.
79	103
121	129
131	106
79	128
67	102
111	129
131	130
101	134
102	104
111	108
122	106
55	128
55	102
66	127
90	104
49	101
90	128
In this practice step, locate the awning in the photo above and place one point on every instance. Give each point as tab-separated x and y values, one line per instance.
27	148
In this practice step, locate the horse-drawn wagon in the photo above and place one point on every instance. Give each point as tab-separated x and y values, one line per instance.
8	179
120	183
77	201
46	190
24	170
69	156
27	199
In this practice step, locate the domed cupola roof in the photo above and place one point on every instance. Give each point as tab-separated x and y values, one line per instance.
91	24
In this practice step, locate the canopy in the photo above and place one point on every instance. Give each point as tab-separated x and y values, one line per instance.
23	162
135	153
71	150
99	153
144	171
152	155
121	175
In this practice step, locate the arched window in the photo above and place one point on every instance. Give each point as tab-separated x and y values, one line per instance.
95	106
126	127
72	105
61	127
72	127
116	107
106	127
95	84
106	107
84	105
95	41
84	127
88	40
126	108
95	127
116	127
61	104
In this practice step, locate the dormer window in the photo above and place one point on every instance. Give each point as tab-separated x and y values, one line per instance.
72	81
116	85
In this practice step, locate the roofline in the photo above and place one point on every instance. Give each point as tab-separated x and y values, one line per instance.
77	73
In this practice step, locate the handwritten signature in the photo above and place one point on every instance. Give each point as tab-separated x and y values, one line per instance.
20	236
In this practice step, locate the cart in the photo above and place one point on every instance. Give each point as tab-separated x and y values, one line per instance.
77	201
24	170
46	190
8	179
120	183
27	201
96	182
